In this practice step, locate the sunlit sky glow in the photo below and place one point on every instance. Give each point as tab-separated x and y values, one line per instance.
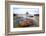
24	10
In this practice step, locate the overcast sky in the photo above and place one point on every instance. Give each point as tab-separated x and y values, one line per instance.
24	10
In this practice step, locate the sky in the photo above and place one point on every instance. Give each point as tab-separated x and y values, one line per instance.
24	10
